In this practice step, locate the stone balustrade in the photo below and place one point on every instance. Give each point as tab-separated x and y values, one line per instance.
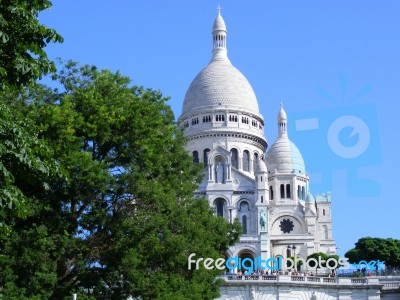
314	279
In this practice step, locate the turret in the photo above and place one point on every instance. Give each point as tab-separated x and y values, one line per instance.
261	177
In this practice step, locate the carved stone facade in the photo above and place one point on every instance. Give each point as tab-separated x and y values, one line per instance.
265	188
245	179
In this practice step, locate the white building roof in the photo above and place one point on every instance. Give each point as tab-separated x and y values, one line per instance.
283	156
220	85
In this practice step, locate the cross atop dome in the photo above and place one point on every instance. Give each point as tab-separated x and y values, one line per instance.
220	86
282	121
219	36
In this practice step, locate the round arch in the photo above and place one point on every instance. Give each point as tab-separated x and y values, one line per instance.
245	255
234	157
220	204
212	199
219	163
214	156
241	202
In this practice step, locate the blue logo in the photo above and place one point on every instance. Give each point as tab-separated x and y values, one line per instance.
343	137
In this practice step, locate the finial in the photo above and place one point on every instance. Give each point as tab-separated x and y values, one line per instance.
219	10
219	37
282	121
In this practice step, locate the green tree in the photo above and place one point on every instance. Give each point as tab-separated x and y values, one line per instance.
22	39
26	169
298	264
22	60
319	257
123	221
26	164
369	248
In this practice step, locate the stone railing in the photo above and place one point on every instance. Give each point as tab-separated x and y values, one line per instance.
390	282
306	279
358	280
391	285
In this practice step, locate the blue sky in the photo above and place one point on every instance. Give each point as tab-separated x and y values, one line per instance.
335	65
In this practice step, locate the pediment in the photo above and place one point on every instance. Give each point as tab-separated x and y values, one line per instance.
309	212
241	180
219	151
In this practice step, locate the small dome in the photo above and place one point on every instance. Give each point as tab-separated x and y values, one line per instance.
310	198
220	85
284	157
261	167
219	23
281	115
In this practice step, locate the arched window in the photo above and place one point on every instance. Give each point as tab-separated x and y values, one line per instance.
195	157
246	161
234	158
282	191
323	212
245	256
271	192
205	156
244	224
219	166
325	232
219	118
244	206
220	207
303	192
255	161
206	119
288	253
299	192
288	193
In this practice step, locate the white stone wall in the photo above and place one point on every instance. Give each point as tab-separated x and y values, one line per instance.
286	287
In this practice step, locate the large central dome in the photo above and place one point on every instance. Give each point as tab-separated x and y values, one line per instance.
220	85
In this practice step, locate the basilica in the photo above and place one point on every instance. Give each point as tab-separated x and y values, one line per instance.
265	187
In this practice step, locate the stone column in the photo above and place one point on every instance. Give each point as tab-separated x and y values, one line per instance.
210	173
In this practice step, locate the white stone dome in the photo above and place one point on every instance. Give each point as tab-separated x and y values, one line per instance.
220	85
284	157
282	117
310	198
219	23
261	167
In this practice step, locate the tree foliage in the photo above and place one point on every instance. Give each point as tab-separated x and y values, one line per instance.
319	256
25	163
25	167
22	39
322	261
299	263
333	258
123	220
369	248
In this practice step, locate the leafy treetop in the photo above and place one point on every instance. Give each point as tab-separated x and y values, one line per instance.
22	39
122	220
369	248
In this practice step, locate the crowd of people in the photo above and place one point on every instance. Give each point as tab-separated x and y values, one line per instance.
272	272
